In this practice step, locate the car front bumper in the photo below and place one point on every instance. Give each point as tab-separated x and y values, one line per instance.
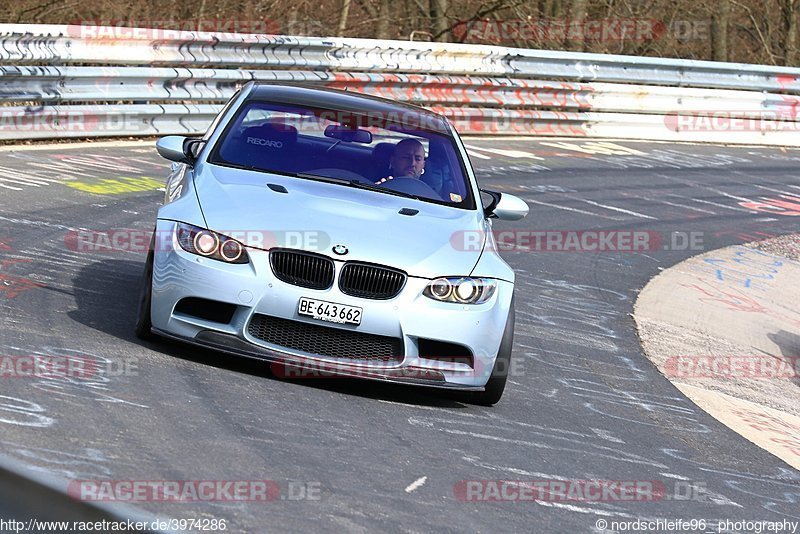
253	289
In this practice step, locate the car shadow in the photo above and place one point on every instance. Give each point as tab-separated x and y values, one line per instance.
107	293
789	345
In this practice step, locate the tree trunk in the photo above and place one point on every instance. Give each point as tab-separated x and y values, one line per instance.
201	13
345	12
719	31
439	23
384	14
790	10
291	23
577	16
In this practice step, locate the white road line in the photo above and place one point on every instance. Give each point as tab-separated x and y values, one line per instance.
68	170
12	188
44	224
476	155
23	175
614	208
567	208
512	153
26	181
14	182
677	477
701	210
708	188
416	484
719	205
15	176
43	179
606	435
765	188
504	152
723	193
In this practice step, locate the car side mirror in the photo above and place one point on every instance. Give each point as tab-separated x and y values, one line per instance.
179	149
505	207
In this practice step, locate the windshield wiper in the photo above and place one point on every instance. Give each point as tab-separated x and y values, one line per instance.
355	183
374	187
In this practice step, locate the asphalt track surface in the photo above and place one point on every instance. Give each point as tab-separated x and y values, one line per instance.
583	402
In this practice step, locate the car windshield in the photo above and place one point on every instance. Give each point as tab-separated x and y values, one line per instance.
395	153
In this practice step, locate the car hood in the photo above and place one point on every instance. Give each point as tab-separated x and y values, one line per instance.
316	216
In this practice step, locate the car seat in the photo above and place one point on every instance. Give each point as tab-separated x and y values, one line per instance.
381	154
269	146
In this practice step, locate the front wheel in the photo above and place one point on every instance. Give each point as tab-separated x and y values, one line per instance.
143	325
494	388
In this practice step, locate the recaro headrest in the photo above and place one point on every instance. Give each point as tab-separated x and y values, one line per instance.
381	154
272	135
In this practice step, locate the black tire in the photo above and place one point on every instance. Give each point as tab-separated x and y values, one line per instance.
497	381
143	324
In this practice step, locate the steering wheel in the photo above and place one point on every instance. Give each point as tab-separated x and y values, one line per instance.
412	186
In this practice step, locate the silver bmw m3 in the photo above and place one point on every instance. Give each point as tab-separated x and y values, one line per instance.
333	234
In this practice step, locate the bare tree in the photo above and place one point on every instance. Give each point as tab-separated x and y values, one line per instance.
439	25
384	18
343	18
761	35
380	16
577	16
551	8
749	31
790	10
719	31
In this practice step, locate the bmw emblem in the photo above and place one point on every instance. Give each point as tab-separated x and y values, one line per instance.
341	250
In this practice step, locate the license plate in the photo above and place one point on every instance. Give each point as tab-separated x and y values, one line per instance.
329	311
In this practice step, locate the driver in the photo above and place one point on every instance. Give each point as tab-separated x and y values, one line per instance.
407	160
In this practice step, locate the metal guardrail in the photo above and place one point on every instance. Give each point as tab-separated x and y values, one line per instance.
32	501
79	81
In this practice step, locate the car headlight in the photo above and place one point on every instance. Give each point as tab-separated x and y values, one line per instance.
461	290
211	244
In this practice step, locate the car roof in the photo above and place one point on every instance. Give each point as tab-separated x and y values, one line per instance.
348	101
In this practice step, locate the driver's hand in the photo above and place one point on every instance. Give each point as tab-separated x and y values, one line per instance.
384	180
